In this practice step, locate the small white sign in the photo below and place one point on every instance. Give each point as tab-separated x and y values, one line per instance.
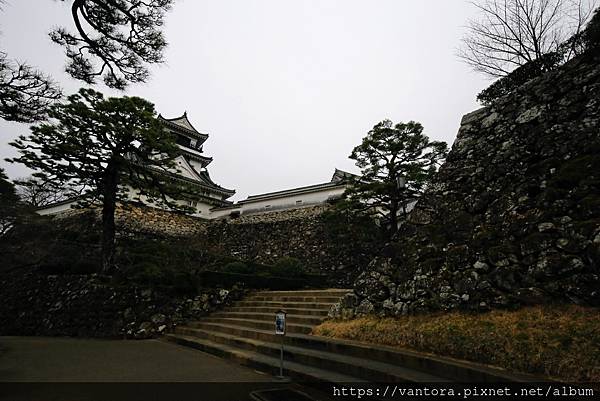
280	323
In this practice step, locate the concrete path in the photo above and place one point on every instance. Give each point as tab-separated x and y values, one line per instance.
42	359
30	367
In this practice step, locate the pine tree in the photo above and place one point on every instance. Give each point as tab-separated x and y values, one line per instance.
102	147
10	208
397	163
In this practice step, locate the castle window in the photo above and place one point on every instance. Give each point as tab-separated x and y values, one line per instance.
299	202
268	207
183	140
193	143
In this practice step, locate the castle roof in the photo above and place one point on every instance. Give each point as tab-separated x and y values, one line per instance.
338	180
195	155
183	125
341	175
201	179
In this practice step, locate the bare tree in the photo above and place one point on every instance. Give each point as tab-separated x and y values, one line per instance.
511	33
36	192
115	39
25	93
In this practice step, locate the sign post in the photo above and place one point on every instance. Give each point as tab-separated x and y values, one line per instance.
280	331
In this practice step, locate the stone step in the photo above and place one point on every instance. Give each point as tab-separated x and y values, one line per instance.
305	293
240	331
272	310
263	362
295	298
244	332
269	317
437	366
356	367
253	324
303	305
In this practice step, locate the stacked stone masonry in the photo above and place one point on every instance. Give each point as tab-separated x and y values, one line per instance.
133	220
263	237
299	233
94	306
514	215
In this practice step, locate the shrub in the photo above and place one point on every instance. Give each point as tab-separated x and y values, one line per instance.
239	268
288	267
592	33
586	41
346	227
520	76
152	274
148	273
52	246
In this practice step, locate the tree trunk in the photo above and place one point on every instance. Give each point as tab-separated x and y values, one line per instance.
393	218
109	202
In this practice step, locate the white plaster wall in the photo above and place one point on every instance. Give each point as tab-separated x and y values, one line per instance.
410	206
183	168
258	206
56	209
202	209
196	164
291	201
216	214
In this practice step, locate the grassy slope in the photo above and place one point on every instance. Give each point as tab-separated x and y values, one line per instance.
559	341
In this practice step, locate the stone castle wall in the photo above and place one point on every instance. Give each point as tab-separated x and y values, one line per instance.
267	237
146	220
94	306
281	215
303	233
513	217
139	219
264	237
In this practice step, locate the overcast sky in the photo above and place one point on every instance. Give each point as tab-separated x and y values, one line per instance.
284	88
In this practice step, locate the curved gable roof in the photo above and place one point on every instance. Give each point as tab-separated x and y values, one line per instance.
182	123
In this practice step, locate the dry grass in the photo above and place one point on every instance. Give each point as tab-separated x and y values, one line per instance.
559	341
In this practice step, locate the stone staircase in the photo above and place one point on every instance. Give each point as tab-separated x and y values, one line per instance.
245	333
